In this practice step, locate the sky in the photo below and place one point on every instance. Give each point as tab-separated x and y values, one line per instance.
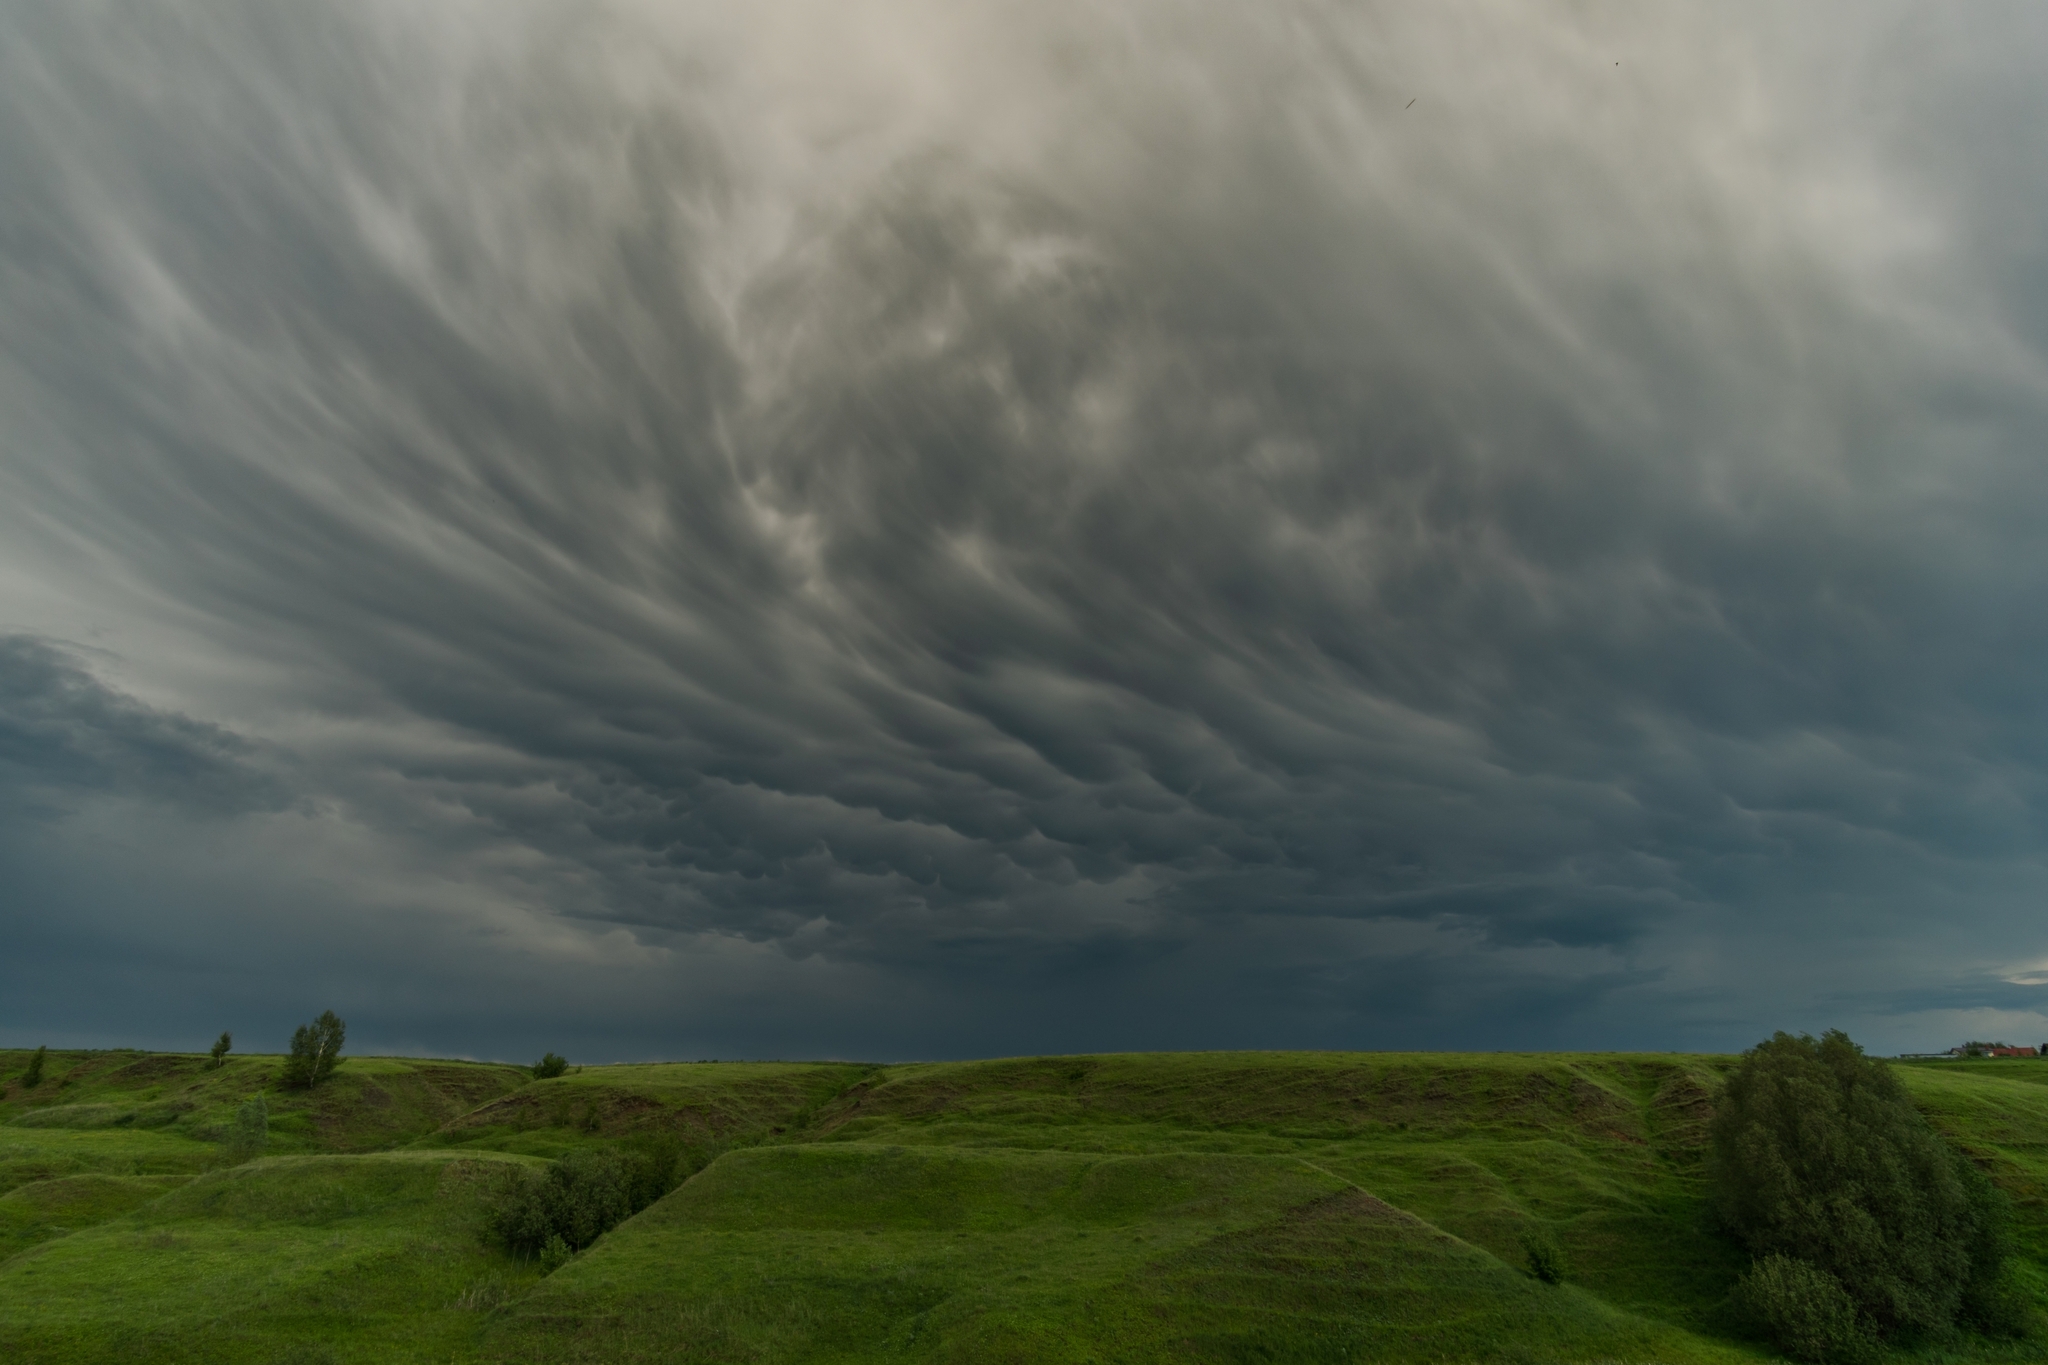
884	529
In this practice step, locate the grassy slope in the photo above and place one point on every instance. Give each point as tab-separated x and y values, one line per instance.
242	1264
368	1104
1196	1207
46	1209
709	1105
1997	1111
856	1252
1604	1151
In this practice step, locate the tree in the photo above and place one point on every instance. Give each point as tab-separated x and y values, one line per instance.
220	1049
316	1049
1818	1157
549	1066
33	1076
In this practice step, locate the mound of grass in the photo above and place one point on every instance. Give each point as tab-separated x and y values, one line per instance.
1289	1095
36	1154
704	1105
368	1104
250	1263
856	1252
44	1209
1603	1151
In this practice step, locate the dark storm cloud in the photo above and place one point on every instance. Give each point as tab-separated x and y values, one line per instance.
62	733
1070	529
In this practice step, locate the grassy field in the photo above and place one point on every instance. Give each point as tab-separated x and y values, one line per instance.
1163	1207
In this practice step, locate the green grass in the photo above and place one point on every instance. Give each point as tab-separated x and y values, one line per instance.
709	1105
858	1252
369	1104
44	1209
373	1253
1219	1207
35	1154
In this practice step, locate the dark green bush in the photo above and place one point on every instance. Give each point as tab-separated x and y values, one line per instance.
33	1075
1805	1310
1817	1155
580	1197
1546	1258
220	1049
316	1051
549	1067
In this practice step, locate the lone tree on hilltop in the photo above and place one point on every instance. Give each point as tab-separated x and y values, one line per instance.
220	1049
316	1048
549	1066
1865	1224
33	1075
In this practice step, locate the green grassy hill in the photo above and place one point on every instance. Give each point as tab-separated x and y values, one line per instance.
1165	1207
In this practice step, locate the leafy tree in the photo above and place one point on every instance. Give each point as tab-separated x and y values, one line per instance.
1817	1156
220	1049
33	1076
316	1049
549	1067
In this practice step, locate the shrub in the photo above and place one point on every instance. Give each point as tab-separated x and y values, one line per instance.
554	1255
251	1133
1805	1310
1546	1258
1817	1155
578	1198
33	1076
549	1067
316	1050
220	1049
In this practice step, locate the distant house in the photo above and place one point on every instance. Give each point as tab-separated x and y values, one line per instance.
1995	1050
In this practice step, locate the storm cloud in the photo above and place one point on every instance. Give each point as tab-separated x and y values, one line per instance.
904	530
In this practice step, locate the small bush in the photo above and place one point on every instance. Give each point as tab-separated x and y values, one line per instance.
219	1052
33	1076
1546	1258
549	1067
251	1133
554	1255
1805	1311
316	1051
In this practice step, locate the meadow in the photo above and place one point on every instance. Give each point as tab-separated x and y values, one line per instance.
1211	1207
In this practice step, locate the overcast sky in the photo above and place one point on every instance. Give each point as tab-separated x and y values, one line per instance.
908	529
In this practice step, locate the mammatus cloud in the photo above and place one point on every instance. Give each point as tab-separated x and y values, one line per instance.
936	529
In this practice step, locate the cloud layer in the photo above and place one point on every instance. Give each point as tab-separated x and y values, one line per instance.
914	530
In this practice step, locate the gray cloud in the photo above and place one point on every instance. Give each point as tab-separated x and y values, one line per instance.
1004	530
64	734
